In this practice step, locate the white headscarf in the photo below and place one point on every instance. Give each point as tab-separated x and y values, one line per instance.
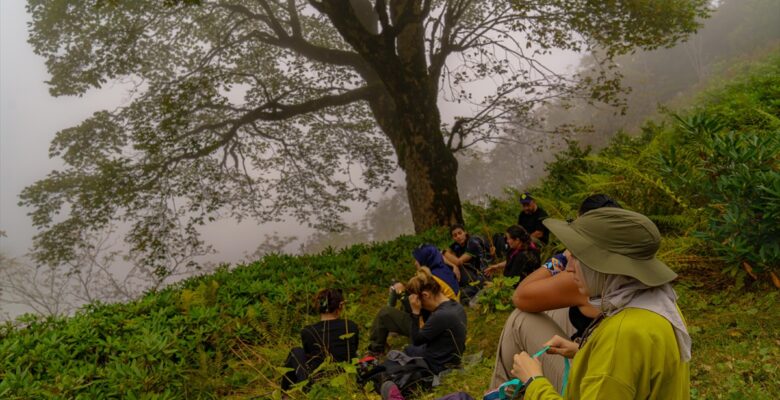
613	293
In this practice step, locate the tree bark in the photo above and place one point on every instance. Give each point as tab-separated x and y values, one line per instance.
405	105
430	167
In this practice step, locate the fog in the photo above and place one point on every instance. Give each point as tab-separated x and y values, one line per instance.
30	117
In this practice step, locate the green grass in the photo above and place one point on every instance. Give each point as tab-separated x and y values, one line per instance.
736	338
226	334
735	332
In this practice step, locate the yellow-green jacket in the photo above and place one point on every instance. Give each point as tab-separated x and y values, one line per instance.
630	355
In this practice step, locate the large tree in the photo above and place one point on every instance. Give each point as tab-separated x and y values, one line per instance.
266	108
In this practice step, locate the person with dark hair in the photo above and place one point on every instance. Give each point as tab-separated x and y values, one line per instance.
390	319
638	347
522	256
466	257
547	303
332	337
597	201
531	218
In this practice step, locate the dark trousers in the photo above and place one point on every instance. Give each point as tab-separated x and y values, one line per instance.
300	371
471	282
388	320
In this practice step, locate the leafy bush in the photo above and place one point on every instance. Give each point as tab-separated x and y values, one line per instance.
497	294
738	173
186	341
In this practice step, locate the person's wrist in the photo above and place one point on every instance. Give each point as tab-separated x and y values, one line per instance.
530	380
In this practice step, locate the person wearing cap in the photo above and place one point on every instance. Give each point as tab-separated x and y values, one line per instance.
391	319
547	303
638	347
531	218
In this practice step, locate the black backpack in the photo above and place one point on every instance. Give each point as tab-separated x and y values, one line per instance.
485	259
411	377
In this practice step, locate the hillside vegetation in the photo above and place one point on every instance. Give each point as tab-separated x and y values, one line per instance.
709	177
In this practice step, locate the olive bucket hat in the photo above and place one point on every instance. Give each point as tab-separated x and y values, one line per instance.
615	241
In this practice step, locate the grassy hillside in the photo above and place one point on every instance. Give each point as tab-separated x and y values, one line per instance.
709	177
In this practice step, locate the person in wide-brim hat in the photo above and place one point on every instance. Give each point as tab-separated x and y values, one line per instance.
615	241
639	346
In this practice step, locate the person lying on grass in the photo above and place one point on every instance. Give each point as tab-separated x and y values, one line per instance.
638	347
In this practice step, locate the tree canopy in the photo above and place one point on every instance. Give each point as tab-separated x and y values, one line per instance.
271	108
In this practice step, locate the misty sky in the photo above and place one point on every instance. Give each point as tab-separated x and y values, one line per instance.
30	117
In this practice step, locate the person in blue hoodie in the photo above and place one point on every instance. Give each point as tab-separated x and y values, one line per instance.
392	319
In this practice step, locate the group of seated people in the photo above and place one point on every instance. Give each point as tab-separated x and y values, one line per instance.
601	317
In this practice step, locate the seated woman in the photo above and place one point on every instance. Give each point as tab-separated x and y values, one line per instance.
638	347
439	342
390	319
522	257
332	336
546	303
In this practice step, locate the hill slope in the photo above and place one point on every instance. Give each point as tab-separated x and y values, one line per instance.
710	178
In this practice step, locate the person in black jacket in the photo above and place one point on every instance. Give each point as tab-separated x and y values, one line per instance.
522	256
436	345
441	340
531	219
331	337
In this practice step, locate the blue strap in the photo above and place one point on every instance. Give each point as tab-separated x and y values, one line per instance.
502	389
519	385
516	382
566	366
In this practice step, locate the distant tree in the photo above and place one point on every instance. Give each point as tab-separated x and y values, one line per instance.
271	244
266	108
737	31
94	274
42	290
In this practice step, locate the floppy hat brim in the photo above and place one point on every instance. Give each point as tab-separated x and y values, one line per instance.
651	272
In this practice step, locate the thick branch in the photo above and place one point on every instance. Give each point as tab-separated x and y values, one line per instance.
272	111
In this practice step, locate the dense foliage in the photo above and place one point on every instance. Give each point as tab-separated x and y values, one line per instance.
709	173
185	341
295	109
708	177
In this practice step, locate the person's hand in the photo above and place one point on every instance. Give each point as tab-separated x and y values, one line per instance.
489	270
398	287
415	304
524	367
564	347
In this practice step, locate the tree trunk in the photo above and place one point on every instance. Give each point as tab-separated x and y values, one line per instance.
431	184
405	106
431	168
